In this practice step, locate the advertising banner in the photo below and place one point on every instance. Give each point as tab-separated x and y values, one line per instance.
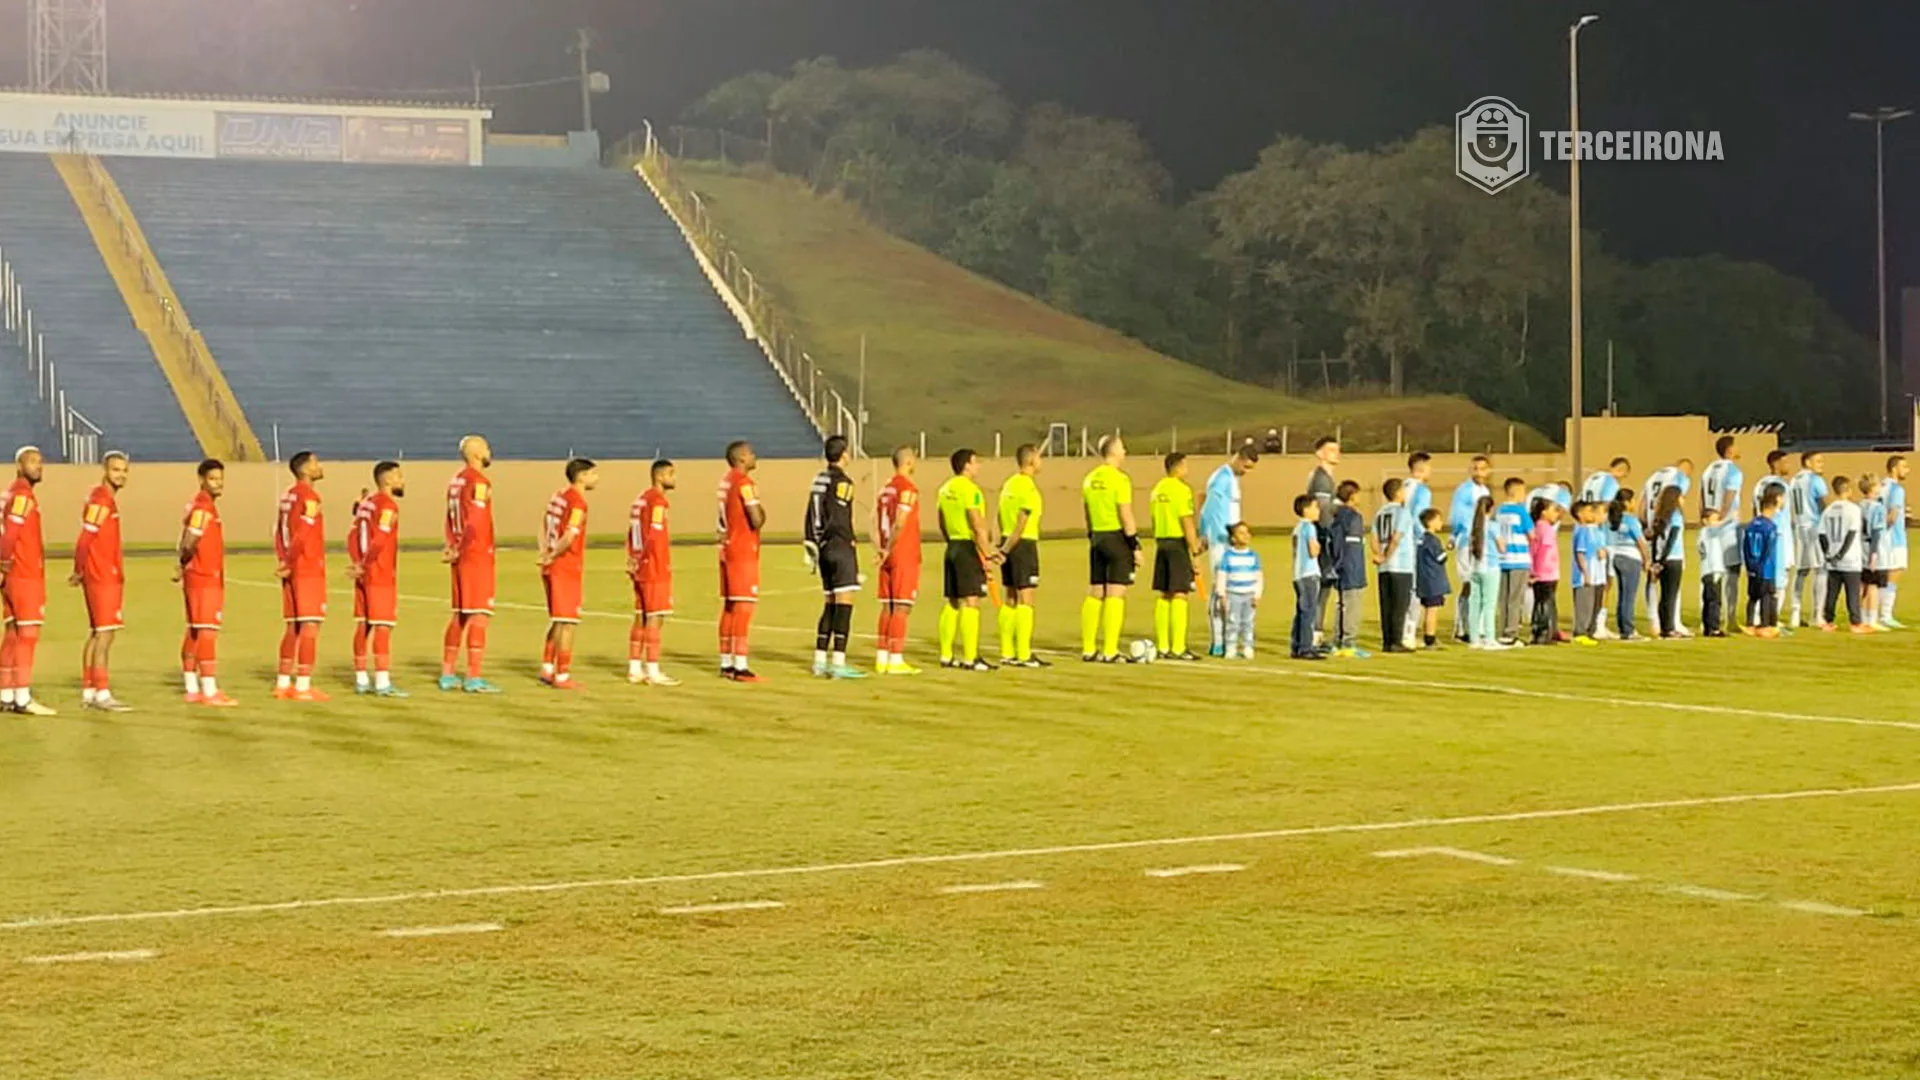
44	124
408	141
279	136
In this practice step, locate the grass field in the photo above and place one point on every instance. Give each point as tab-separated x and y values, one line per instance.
962	357
1661	804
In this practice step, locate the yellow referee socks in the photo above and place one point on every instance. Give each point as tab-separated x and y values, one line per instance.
1179	614
1007	620
1162	624
1112	616
1023	632
969	634
949	626
1089	626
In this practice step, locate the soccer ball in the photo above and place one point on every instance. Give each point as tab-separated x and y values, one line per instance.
1143	652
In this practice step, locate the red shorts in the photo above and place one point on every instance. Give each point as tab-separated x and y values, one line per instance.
653	597
103	603
376	605
473	588
564	594
206	606
23	600
739	578
899	582
303	599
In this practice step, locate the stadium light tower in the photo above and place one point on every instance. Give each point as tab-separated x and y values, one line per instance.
69	45
1880	118
1573	226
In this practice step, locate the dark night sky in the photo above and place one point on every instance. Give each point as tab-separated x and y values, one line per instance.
1211	81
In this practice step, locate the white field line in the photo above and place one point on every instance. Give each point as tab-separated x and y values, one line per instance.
899	861
1296	673
1449	852
717	909
94	957
1701	892
992	886
1204	868
1590	875
443	931
1815	907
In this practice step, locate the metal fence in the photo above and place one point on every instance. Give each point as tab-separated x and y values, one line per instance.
79	437
776	331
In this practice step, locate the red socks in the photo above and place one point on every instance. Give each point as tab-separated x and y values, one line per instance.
307	648
450	650
382	645
476	644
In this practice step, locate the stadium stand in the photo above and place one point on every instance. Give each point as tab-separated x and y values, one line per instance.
105	362
22	419
373	310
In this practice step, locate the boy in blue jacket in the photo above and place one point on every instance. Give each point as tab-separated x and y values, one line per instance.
1760	551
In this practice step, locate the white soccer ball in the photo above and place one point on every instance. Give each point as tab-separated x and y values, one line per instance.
1143	652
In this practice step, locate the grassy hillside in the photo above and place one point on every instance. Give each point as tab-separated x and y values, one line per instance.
960	357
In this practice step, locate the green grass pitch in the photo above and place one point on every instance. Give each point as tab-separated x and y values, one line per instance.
1686	859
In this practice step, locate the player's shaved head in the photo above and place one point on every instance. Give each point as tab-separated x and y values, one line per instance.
739	453
300	463
476	451
1026	455
114	466
904	454
28	461
1113	447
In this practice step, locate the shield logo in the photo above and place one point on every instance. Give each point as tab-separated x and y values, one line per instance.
1490	144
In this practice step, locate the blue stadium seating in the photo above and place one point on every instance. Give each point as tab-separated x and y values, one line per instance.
23	420
104	361
387	310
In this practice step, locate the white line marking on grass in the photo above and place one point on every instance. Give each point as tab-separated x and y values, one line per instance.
94	957
992	886
898	861
443	931
716	909
1556	695
1815	907
1204	868
1591	875
1701	892
1449	852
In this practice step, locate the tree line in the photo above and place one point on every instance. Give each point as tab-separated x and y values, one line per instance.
1379	256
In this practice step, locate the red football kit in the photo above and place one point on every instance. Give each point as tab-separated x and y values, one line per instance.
203	578
469	533
897	520
373	545
97	560
650	548
565	575
739	542
300	544
23	588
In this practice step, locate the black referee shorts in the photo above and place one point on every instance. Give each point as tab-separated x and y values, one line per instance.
1110	560
963	576
1021	570
1172	567
839	569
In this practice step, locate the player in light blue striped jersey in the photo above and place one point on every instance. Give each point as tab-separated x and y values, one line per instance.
1779	470
1720	487
1893	556
1807	492
1602	484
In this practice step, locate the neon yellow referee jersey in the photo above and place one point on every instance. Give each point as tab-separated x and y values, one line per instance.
1171	500
1105	490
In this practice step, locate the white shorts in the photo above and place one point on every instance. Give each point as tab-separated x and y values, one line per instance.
1893	558
1806	552
1463	565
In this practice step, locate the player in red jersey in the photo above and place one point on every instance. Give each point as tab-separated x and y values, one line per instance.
896	536
741	517
23	585
101	577
563	567
372	546
650	565
300	551
469	552
202	574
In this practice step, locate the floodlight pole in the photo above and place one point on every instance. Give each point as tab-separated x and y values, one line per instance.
1573	237
1880	118
584	43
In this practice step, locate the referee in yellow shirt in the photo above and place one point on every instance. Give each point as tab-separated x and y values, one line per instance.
1176	543
1019	512
963	521
1114	555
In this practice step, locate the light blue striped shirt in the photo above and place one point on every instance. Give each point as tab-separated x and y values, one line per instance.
1241	568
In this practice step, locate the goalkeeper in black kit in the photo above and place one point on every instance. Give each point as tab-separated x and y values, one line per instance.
829	540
